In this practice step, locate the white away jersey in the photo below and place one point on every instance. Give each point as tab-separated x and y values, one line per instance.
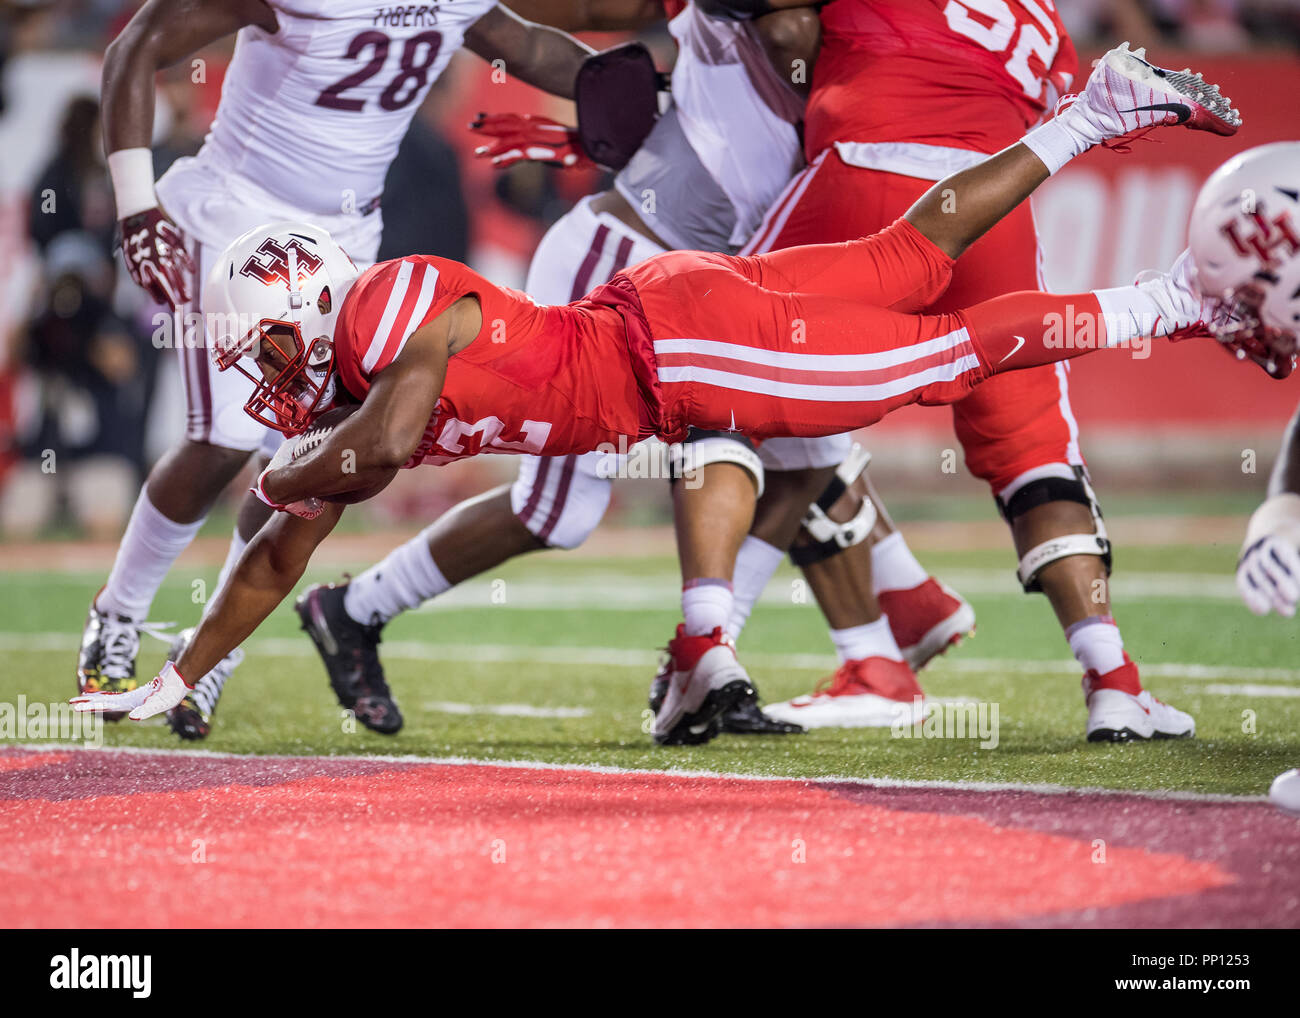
314	113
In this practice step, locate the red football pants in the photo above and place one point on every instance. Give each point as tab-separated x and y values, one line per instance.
818	340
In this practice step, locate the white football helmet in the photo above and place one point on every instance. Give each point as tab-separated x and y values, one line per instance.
273	298
1245	240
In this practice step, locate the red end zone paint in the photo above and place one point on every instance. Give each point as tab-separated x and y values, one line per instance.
354	842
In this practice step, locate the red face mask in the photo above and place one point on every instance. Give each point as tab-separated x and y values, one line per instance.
1247	337
296	380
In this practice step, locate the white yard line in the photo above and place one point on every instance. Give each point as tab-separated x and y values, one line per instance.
690	775
1252	689
615	657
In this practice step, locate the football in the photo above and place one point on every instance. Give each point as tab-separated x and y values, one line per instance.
314	437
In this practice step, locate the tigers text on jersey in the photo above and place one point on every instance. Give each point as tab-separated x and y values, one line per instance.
540	379
924	72
314	113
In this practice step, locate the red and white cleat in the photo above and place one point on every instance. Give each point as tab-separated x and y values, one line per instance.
872	692
1285	792
926	620
704	681
1125	93
1120	710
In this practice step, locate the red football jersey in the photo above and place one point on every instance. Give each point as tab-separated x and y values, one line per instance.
547	380
971	74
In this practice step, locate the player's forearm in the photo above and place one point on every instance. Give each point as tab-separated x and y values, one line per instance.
266	573
127	88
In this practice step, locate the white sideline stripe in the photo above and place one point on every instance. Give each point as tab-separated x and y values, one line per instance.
838	779
508	710
821	393
1252	689
846	362
615	657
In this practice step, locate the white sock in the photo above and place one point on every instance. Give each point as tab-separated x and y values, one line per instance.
755	563
1096	644
871	640
149	547
1060	139
706	605
405	579
237	546
893	566
1129	313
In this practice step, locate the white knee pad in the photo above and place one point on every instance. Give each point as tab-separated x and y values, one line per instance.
829	537
561	499
702	448
1059	482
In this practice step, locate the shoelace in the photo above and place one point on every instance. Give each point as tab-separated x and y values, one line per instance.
121	643
836	684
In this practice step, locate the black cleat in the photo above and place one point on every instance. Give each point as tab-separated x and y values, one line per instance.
350	653
106	661
191	719
747	718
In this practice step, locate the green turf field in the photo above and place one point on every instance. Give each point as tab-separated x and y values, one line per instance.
549	660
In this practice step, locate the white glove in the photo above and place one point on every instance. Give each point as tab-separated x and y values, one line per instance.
1268	576
307	508
162	694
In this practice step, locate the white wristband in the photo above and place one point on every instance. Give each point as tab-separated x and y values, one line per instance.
132	173
1278	516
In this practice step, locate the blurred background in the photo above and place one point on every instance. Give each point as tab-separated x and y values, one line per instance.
86	401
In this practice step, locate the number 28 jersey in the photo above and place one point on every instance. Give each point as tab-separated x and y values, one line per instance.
314	113
971	74
539	379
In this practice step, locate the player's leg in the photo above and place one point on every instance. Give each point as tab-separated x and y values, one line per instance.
170	509
907	270
716	481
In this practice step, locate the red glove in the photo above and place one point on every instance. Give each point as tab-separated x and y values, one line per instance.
156	257
521	136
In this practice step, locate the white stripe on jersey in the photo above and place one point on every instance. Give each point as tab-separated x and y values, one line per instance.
395	297
848	362
393	321
823	393
427	287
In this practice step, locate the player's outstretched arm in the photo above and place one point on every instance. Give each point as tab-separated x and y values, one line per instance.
271	565
540	56
161	33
